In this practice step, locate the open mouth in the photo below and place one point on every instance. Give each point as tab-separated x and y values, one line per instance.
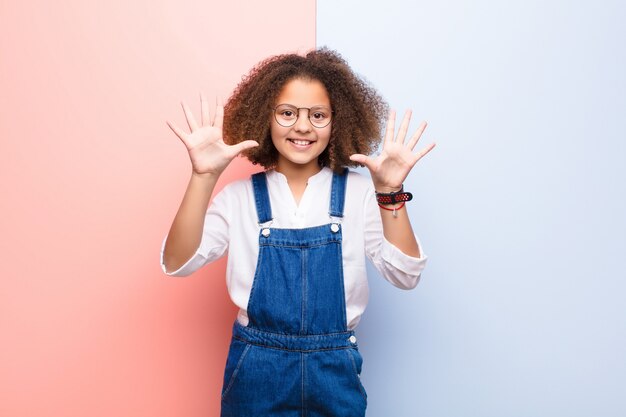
301	142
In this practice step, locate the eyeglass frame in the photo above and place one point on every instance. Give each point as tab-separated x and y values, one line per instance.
332	112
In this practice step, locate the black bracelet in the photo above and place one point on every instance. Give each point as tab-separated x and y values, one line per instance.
394	198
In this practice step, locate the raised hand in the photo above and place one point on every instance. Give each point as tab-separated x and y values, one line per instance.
205	144
392	166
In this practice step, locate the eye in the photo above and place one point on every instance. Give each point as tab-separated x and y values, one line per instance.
286	112
320	113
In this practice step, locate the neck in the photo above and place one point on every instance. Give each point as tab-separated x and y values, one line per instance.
297	173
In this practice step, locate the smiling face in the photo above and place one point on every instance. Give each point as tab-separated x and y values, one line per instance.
300	145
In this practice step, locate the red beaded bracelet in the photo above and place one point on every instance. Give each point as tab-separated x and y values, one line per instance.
392	209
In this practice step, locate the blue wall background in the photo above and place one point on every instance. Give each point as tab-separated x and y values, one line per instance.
520	207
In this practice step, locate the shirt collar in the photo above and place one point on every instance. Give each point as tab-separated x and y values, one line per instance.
324	173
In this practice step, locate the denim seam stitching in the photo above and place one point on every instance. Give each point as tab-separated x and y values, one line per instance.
236	371
356	373
337	200
313	245
261	197
290	350
254	285
343	286
311	336
303	370
303	306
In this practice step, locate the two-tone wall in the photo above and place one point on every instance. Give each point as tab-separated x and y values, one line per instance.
520	207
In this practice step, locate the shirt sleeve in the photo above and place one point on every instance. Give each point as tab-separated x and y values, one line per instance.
215	237
395	266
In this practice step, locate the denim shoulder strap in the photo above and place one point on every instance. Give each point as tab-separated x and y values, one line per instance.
261	197
338	193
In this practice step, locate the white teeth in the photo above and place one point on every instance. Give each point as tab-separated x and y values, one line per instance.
301	142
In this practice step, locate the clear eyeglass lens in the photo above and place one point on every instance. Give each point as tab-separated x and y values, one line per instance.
287	115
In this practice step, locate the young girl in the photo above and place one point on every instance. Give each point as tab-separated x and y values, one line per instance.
297	234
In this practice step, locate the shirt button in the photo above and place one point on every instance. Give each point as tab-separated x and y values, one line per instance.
352	339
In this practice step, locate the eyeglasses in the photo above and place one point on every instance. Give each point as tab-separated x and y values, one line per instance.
286	115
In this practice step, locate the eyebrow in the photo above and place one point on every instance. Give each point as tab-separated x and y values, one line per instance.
312	107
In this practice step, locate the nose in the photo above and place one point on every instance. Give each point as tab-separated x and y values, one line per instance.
303	124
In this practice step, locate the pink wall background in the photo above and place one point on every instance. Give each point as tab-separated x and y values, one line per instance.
90	179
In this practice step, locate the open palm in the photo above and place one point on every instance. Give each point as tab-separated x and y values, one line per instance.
392	166
205	144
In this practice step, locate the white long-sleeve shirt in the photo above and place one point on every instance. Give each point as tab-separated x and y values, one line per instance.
231	225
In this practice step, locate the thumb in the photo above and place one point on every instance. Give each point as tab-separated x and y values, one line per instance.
246	144
361	159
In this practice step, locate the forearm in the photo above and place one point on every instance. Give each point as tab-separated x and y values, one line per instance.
185	233
398	230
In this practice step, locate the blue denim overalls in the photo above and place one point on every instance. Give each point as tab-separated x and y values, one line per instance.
296	357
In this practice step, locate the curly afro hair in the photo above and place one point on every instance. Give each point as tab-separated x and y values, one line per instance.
358	118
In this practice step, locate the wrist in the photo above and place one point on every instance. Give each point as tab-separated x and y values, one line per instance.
205	177
385	189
